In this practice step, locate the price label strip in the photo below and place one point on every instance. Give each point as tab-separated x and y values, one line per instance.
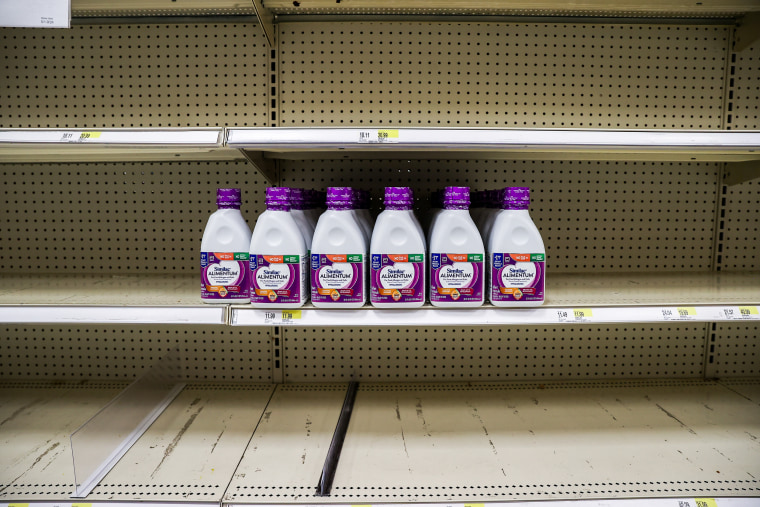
741	313
279	318
79	137
381	136
575	316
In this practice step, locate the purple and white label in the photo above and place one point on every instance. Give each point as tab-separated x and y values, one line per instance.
518	277
337	278
276	279
456	277
397	278
224	275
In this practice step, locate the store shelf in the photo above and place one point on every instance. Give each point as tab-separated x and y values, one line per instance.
579	144
117	145
189	453
106	299
432	443
571	299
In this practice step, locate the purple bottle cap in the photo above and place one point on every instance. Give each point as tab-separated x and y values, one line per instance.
228	198
516	198
456	198
340	198
297	198
278	198
399	198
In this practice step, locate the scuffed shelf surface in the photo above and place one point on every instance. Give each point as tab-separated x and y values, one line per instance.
502	442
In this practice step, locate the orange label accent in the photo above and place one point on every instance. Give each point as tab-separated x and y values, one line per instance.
505	290
273	259
520	257
446	290
386	292
324	292
225	256
336	258
262	292
398	257
457	257
214	288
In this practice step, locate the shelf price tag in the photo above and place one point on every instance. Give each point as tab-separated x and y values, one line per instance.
741	313
706	502
79	137
383	136
679	313
576	315
283	317
290	316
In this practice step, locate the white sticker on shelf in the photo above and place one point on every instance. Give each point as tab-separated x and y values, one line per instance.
382	136
741	313
679	313
281	317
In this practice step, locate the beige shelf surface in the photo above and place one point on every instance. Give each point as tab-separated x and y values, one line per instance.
503	442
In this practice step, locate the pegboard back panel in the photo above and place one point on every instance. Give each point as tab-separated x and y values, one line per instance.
140	75
734	350
741	228
492	353
744	88
561	75
142	217
209	353
593	216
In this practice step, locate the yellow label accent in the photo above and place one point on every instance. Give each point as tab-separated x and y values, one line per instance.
706	502
582	312
748	310
81	505
291	314
18	505
474	505
687	311
387	134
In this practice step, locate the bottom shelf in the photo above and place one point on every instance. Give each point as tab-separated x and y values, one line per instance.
406	443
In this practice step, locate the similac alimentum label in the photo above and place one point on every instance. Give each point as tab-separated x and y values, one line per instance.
224	275
456	277
518	277
337	278
397	278
277	278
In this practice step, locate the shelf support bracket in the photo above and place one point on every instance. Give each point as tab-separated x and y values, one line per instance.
333	453
748	31
266	166
266	20
741	172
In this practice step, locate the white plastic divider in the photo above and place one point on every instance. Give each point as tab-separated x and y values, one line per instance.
55	314
443	139
489	315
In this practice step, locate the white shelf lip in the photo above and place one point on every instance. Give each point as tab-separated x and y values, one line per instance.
389	138
62	138
61	314
618	502
489	315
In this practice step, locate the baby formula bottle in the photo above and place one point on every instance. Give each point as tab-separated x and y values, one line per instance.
517	254
338	255
224	252
457	275
279	264
397	254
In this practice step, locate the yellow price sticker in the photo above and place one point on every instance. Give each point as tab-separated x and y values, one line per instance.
686	311
18	505
81	505
706	502
582	313
291	314
387	135
748	310
474	505
89	135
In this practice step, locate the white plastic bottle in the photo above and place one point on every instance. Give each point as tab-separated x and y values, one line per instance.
397	254
517	255
457	271
278	263
224	252
338	255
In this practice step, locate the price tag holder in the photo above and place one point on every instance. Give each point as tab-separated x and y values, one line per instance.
575	315
79	137
679	313
741	313
380	136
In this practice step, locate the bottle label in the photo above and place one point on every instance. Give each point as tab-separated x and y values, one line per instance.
397	278
456	277
224	275
517	277
337	278
277	278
